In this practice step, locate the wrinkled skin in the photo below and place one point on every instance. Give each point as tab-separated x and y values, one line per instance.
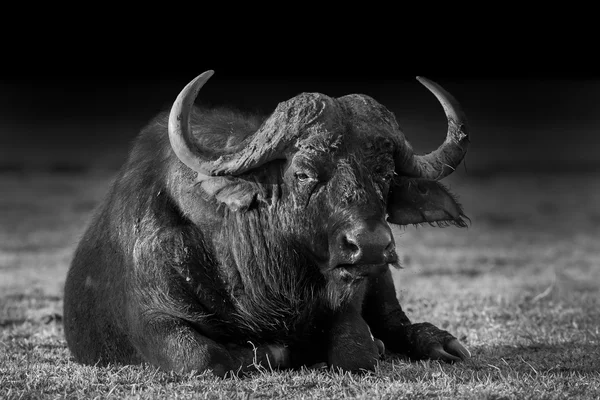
284	265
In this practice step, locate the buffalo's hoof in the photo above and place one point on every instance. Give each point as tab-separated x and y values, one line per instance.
452	351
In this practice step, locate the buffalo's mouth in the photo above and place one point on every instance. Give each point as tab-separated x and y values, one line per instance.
353	272
368	264
359	271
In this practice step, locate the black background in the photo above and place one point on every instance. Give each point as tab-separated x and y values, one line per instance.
530	106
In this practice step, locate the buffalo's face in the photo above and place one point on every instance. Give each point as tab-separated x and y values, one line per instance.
338	193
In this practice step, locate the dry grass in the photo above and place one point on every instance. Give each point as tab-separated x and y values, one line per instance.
520	288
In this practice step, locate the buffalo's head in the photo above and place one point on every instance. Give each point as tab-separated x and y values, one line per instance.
334	170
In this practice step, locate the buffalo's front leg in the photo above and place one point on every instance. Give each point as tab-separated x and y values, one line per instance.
172	344
351	345
389	323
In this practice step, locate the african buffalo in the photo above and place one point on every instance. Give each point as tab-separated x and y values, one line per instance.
229	241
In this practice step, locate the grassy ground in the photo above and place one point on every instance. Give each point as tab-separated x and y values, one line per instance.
520	288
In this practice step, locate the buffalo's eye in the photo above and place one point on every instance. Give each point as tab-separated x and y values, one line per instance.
387	177
302	177
422	189
384	175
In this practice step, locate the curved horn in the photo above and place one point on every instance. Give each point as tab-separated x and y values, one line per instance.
443	161
180	133
269	142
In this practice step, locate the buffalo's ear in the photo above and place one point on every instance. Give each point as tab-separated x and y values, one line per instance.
237	194
415	201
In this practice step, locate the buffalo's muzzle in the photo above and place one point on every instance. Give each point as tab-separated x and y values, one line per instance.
365	243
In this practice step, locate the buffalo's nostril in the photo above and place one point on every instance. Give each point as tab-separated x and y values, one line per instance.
350	244
390	247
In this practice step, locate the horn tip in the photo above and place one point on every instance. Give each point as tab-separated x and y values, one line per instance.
424	81
204	76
